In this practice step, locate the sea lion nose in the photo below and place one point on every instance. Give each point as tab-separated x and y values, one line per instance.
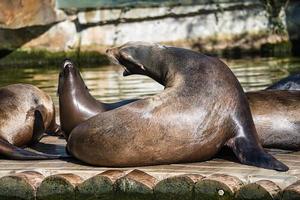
112	51
68	64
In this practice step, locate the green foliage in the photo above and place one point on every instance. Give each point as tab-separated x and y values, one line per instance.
42	58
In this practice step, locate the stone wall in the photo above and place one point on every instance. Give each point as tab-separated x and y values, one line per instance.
34	25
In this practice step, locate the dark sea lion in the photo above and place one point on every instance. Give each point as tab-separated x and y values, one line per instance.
291	82
266	108
26	113
275	113
76	104
276	116
191	120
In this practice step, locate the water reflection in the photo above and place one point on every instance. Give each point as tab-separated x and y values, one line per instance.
107	83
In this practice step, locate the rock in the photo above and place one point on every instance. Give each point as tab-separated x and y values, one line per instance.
17	14
60	37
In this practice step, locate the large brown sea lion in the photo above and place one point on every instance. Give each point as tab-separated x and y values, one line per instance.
191	120
26	113
76	104
276	113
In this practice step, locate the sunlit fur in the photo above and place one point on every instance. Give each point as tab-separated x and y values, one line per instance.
202	108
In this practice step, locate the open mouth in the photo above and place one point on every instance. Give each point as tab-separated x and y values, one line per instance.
126	71
121	62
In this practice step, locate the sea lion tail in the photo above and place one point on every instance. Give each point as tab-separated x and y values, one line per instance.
12	152
250	153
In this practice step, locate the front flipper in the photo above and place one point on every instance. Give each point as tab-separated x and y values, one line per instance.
12	152
54	129
248	150
38	127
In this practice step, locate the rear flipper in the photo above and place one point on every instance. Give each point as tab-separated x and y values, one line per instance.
12	152
251	153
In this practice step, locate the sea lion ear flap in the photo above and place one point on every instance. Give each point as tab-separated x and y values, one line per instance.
128	57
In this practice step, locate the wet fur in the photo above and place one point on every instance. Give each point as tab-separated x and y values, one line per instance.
276	115
191	120
25	114
76	104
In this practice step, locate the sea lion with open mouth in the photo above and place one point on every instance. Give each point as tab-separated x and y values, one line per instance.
202	108
275	113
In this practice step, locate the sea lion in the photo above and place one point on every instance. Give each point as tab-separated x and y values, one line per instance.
76	104
191	120
276	115
26	113
291	82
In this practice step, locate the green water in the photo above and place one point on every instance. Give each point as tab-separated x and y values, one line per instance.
107	83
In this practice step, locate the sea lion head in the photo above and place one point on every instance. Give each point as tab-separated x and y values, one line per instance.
140	58
69	77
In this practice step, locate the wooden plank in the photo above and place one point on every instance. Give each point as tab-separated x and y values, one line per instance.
260	190
177	187
217	186
20	186
292	192
135	185
100	186
58	187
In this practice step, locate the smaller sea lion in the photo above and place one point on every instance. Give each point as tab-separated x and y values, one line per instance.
276	114
26	112
76	104
291	82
